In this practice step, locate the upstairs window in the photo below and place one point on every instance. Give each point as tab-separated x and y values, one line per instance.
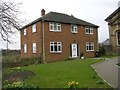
89	30
55	47
89	46
25	32
74	28
25	48
34	48
54	26
33	28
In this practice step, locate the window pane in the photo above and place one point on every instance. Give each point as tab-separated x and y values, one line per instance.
55	47
34	28
59	28
51	46
34	47
118	42
87	30
51	27
24	31
89	46
118	36
74	28
25	48
92	48
51	49
59	46
91	30
55	26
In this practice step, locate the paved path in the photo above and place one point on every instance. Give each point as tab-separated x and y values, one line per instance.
109	72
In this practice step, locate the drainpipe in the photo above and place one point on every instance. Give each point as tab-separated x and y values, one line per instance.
43	41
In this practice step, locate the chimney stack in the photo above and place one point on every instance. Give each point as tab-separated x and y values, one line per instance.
42	12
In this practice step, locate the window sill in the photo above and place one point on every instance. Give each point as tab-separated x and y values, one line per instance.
74	32
90	50
55	52
33	32
89	33
55	31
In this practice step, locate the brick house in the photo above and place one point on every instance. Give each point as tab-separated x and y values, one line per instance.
114	31
57	36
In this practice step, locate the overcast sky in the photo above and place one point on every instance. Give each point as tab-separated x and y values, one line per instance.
94	11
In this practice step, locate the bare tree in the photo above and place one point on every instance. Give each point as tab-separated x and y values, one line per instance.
9	22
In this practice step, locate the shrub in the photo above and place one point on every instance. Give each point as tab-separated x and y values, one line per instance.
18	84
29	61
100	82
16	69
94	76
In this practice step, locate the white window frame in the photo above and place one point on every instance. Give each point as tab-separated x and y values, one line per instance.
89	46
88	30
25	48
25	32
55	27
59	47
74	28
34	48
33	28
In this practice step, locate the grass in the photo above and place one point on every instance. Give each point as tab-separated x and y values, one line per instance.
58	74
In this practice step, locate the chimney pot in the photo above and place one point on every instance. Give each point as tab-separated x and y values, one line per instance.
42	12
72	15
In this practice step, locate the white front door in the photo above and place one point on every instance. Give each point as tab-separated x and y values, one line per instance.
74	50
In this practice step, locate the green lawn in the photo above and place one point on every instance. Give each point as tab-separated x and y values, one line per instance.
58	74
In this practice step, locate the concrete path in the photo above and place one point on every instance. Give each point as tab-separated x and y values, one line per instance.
109	72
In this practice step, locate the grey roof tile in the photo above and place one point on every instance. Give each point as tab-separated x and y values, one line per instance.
62	18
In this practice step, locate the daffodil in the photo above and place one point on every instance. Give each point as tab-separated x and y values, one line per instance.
77	83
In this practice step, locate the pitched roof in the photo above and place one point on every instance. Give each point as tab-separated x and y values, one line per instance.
113	14
62	18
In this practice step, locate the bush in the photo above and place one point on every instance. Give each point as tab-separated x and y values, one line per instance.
21	62
29	61
100	82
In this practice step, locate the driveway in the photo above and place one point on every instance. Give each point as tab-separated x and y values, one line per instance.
109	72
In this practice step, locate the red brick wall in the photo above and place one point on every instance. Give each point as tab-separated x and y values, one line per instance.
65	37
31	38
